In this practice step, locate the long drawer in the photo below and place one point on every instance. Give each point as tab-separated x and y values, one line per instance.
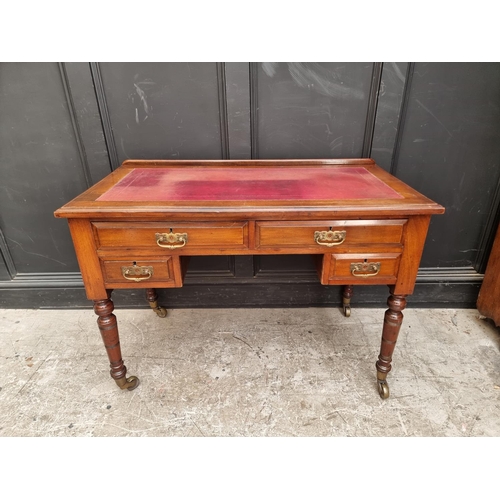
155	237
329	236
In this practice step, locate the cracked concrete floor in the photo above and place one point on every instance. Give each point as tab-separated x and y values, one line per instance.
249	372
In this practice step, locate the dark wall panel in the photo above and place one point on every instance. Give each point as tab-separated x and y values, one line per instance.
40	167
289	265
65	126
88	118
238	109
164	110
7	267
168	110
4	273
311	110
209	266
307	110
390	97
450	151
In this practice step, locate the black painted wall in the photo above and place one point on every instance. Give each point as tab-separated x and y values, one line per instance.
65	126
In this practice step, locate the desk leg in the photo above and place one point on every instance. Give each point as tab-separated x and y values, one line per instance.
346	299
392	323
152	298
109	331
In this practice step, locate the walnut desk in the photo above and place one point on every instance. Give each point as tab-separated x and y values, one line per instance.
138	226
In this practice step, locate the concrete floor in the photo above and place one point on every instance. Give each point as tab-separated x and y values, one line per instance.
249	372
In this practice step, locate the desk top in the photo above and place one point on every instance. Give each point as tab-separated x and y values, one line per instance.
221	188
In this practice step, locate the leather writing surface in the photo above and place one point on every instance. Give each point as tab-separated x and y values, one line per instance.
247	184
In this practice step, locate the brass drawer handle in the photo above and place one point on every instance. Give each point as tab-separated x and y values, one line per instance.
173	240
329	238
137	273
365	269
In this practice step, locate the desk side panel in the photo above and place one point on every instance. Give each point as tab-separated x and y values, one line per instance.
413	247
86	253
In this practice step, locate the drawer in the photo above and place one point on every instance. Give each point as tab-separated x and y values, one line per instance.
329	236
172	237
142	273
360	268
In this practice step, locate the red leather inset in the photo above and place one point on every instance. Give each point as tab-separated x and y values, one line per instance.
247	184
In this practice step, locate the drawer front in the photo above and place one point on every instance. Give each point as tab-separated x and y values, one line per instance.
361	268
141	273
329	236
174	237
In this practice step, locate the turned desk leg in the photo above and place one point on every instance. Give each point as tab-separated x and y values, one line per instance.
152	298
347	292
392	324
109	331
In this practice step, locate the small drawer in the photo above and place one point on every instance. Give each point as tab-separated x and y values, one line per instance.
329	236
172	237
142	273
360	268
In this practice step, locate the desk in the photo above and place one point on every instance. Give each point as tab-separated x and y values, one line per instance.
138	227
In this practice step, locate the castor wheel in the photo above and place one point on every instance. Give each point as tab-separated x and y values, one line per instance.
152	298
383	389
347	311
129	383
161	312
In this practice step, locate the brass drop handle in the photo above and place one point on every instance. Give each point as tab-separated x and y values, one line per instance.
329	238
365	269
172	240
137	273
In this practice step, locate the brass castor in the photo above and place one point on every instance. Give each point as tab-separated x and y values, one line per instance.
383	389
160	311
129	383
152	298
346	299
